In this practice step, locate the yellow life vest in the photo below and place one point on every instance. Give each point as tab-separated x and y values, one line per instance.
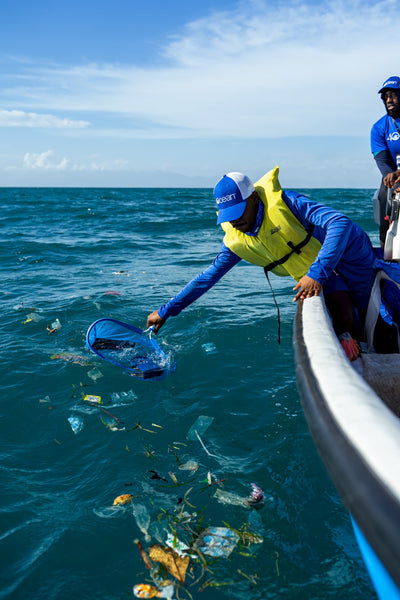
282	245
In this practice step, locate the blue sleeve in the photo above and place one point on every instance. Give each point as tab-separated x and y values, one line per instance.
332	229
222	263
378	138
385	162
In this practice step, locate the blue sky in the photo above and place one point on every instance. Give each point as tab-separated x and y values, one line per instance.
128	93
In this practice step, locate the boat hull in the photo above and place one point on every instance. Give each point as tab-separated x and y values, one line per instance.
355	433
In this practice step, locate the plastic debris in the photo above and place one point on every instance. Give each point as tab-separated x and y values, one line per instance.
158	532
256	531
209	348
45	400
112	423
142	519
172	561
95	374
144	590
201	425
164	589
56	325
122	500
33	317
217	541
77	359
190	465
122	398
231	498
76	424
180	547
256	496
109	512
254	500
94	399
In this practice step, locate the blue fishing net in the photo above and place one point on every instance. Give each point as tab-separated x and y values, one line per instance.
129	348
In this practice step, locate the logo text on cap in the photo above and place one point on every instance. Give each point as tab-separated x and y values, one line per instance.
227	198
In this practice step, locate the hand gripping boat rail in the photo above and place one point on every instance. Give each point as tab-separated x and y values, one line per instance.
129	348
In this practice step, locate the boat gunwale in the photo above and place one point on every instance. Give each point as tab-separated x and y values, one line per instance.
373	503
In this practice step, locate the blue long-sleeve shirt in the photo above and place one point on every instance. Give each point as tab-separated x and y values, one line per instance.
343	244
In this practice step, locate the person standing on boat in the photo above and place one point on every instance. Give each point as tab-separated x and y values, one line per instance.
288	234
385	146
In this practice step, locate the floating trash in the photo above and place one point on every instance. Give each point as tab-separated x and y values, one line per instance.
33	317
173	542
144	590
175	564
56	325
255	500
231	498
201	425
44	400
190	465
217	541
122	398
76	424
95	374
122	500
209	348
76	359
256	531
256	496
94	399
109	512
164	589
142	519
112	423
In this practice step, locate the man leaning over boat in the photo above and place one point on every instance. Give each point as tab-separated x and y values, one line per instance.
288	234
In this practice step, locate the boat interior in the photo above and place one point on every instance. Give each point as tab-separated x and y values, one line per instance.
382	373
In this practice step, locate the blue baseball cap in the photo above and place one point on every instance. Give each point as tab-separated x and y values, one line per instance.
393	83
231	193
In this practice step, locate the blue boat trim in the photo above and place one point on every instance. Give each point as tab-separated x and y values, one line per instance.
383	583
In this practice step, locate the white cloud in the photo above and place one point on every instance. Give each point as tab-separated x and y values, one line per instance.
18	118
260	70
44	161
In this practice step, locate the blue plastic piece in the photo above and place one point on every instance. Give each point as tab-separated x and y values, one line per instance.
128	347
383	583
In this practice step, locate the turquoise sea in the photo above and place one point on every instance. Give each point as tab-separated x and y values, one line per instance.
71	256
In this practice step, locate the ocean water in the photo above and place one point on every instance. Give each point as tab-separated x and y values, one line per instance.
71	256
